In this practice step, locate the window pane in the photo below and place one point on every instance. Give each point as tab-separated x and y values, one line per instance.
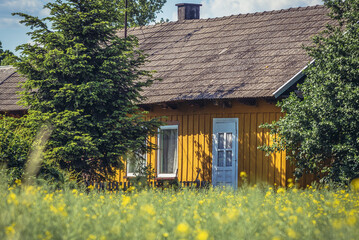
168	147
135	162
228	158
220	158
229	140
131	167
220	140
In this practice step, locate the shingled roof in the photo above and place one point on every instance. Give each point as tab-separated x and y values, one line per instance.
9	85
241	56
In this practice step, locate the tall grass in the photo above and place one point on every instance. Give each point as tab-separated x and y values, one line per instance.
31	212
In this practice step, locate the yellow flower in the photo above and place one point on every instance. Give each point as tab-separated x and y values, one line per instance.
243	174
351	220
49	197
47	236
10	230
182	228
60	209
293	219
281	190
148	208
165	235
202	235
125	200
18	182
276	238
292	233
268	194
299	210
91	237
12	199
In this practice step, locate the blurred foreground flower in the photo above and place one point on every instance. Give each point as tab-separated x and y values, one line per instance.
355	184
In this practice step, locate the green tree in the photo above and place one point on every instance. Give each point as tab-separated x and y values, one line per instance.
320	132
6	56
142	12
86	82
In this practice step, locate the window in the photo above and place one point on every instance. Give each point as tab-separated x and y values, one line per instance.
135	163
167	151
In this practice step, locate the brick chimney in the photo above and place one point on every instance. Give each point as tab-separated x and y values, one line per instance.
188	11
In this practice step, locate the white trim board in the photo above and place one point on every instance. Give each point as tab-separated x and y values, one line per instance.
291	81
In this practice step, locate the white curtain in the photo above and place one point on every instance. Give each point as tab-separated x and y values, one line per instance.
169	150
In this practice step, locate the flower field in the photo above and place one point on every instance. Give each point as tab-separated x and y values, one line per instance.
248	213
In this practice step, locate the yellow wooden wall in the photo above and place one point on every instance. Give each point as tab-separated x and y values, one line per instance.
195	140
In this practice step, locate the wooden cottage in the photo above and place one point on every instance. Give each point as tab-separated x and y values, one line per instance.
221	80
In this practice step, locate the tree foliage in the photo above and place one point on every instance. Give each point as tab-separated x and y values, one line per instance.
6	56
86	82
320	132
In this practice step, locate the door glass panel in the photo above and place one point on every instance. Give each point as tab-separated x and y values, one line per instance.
228	158
220	158
229	140
220	140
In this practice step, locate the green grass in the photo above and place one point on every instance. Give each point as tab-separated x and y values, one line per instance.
249	213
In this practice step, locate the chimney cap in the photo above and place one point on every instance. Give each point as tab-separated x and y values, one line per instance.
184	4
187	11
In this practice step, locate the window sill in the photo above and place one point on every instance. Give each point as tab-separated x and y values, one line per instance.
165	178
132	176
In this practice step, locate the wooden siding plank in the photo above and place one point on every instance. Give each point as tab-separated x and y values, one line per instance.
246	145
185	149
253	148
278	162
283	162
180	147
259	166
200	151
272	166
195	145
240	145
207	167
190	162
266	160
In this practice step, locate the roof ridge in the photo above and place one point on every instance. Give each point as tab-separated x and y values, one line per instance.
7	67
189	21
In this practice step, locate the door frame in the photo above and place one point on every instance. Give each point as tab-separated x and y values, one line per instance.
235	141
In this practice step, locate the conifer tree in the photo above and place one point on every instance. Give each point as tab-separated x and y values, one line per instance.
86	82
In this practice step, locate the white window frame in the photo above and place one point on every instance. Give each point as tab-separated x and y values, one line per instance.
166	175
129	174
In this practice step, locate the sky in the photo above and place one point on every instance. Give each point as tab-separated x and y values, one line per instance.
12	33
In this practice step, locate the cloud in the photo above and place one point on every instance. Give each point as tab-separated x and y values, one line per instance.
22	5
219	8
9	22
32	7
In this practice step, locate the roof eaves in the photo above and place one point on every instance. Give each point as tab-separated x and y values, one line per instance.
291	81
